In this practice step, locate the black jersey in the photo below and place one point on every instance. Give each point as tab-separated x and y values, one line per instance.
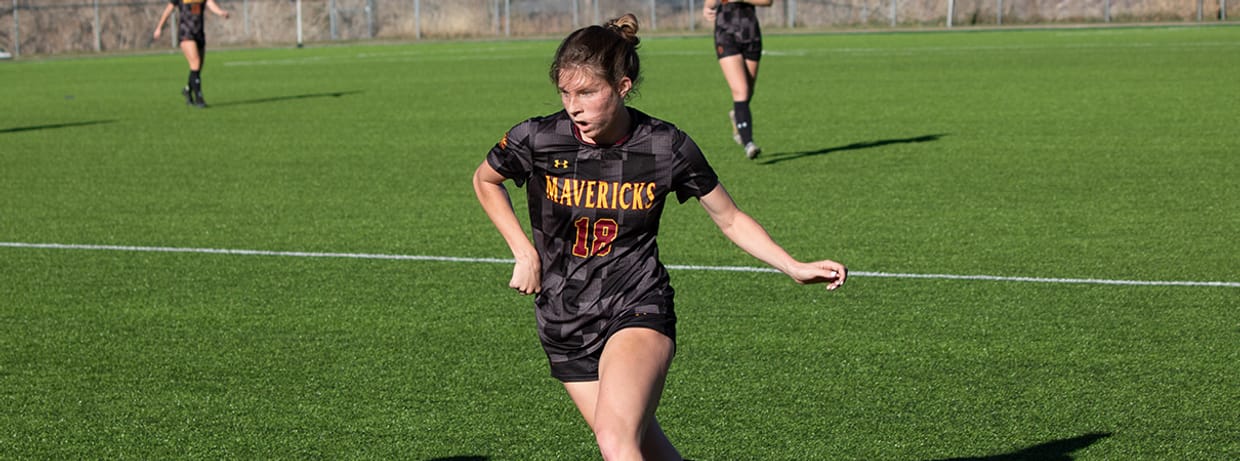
594	212
737	31
191	19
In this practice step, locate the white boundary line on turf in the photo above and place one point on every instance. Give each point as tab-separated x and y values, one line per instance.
305	254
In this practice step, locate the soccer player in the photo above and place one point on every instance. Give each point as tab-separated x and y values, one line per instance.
597	175
192	38
738	45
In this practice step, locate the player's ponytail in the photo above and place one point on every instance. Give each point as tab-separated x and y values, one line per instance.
609	51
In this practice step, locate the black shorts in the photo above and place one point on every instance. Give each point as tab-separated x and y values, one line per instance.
737	32
586	368
200	40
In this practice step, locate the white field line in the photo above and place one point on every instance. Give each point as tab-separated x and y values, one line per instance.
305	254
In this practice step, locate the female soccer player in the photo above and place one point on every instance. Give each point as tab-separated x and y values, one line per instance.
738	45
192	38
597	175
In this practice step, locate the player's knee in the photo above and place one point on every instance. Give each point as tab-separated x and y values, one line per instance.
616	442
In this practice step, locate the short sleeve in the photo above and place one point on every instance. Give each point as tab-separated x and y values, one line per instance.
512	156
693	176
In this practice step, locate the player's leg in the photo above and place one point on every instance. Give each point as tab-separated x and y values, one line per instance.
632	371
201	44
736	71
655	444
751	66
190	50
751	72
620	406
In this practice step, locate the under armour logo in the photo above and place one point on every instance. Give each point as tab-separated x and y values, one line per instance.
561	163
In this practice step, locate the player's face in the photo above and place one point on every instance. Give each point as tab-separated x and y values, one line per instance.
596	107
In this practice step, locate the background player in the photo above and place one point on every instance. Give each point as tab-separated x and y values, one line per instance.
597	175
192	38
738	45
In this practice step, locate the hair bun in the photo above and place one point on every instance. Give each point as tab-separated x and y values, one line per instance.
626	26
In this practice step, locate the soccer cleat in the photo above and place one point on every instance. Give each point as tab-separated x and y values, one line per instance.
189	97
752	150
198	101
736	135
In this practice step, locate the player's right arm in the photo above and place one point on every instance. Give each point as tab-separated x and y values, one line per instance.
489	186
163	18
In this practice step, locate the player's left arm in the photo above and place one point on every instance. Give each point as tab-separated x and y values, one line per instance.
748	234
757	2
708	9
215	8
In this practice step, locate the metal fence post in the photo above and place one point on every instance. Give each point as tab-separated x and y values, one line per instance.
332	14
654	17
98	37
1222	10
299	41
1201	7
1106	13
999	13
17	33
507	18
417	19
893	13
791	21
576	16
370	18
951	11
692	16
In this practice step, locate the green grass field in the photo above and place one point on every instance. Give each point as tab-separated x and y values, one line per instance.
1105	154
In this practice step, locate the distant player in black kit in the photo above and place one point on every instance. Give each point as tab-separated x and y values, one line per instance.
597	175
738	45
192	38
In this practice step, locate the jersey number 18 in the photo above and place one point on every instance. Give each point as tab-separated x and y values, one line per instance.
603	232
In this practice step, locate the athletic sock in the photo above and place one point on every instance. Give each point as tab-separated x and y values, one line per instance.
195	82
744	121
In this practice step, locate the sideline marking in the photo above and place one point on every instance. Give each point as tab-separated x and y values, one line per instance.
305	254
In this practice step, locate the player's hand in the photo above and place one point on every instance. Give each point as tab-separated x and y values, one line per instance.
826	271
708	13
157	33
225	15
526	275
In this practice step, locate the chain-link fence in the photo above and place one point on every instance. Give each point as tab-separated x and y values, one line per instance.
29	27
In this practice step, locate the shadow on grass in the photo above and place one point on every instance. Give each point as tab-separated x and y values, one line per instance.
282	98
476	458
53	126
1056	450
786	156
